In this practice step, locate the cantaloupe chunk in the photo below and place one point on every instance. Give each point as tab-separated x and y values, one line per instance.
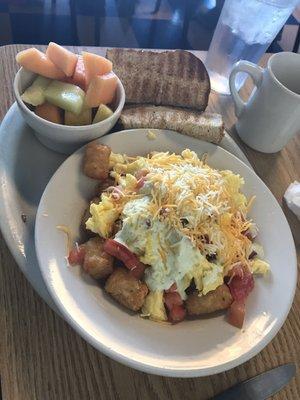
78	77
50	113
102	113
84	118
64	59
101	90
36	61
66	96
95	65
34	94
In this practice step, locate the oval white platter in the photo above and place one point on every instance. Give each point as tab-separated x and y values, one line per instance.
192	348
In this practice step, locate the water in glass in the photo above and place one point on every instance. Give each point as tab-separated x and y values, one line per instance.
244	32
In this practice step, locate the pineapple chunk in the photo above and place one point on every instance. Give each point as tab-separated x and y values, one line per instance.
103	112
35	94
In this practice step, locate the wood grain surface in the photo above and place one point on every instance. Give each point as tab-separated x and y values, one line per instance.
42	358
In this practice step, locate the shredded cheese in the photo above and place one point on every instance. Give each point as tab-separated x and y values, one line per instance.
151	135
66	230
202	203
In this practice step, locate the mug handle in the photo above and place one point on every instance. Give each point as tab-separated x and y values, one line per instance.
256	74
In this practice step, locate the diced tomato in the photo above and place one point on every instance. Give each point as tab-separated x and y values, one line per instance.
76	255
236	314
117	193
172	288
237	270
177	314
122	253
241	282
140	173
137	270
174	304
140	182
172	299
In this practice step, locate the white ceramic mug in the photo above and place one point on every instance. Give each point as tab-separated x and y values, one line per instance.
272	114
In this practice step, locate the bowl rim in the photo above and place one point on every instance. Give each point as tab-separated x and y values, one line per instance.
69	129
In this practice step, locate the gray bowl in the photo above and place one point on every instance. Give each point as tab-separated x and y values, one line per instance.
63	138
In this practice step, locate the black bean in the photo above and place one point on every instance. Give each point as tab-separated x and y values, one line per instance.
247	233
184	221
191	288
205	239
252	255
211	257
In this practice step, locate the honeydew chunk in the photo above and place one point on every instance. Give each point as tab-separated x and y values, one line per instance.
95	65
34	94
102	113
84	118
66	96
101	90
36	61
64	59
49	112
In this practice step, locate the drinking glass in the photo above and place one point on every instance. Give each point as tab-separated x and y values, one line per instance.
244	31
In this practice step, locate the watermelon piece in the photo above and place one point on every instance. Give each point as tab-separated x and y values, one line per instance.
64	59
49	112
78	77
79	74
102	113
101	90
84	118
95	65
35	94
36	61
66	96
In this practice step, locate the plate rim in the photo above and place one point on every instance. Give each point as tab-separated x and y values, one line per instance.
155	369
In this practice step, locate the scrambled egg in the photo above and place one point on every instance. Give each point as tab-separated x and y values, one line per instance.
151	135
258	266
103	217
154	306
185	213
233	184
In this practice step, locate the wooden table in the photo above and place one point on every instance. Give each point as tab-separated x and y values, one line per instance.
43	358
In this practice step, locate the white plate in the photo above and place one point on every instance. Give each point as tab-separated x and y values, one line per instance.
25	169
192	348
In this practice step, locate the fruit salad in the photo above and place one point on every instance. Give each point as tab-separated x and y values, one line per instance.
69	89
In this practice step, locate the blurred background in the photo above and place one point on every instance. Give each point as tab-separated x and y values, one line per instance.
169	24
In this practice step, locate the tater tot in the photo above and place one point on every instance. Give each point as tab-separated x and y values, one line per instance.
97	262
96	161
216	300
126	289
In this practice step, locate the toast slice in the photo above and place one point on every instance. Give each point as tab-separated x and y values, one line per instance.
174	78
201	125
